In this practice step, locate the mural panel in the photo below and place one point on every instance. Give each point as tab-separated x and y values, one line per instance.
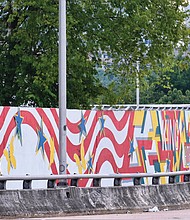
97	141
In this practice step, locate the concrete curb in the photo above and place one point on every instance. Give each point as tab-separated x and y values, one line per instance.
74	201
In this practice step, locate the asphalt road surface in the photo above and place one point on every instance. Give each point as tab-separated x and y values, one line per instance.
151	215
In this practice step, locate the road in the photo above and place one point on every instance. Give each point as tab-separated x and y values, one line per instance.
160	215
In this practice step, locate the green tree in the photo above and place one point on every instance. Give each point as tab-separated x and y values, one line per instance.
127	31
177	89
29	55
175	97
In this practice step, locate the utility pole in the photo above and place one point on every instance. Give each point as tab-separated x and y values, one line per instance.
62	91
137	85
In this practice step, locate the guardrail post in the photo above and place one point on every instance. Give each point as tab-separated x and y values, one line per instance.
3	184
117	181
96	182
27	184
137	181
155	180
74	182
172	179
51	184
186	178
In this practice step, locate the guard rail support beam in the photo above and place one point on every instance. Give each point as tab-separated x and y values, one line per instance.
137	181
186	178
74	182
155	180
3	184
96	182
27	184
172	179
51	184
117	181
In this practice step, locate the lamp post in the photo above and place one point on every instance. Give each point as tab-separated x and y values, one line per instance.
137	85
62	91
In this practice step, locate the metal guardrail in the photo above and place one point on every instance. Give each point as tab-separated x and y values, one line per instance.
127	107
51	179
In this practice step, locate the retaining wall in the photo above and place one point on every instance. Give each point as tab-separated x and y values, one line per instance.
94	200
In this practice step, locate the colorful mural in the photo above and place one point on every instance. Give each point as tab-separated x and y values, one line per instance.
97	141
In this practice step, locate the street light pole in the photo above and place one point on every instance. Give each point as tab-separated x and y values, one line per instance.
62	90
137	85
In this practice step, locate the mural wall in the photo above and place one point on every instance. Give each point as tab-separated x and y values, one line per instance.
97	141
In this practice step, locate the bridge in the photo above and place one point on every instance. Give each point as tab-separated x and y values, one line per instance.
73	200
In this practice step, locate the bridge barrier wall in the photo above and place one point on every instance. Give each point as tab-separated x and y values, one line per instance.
127	140
92	200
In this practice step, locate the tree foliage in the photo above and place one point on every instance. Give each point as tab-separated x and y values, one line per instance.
29	42
147	31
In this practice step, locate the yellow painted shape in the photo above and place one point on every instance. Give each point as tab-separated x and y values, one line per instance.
83	161
138	156
78	163
52	152
138	118
177	160
178	153
9	155
152	134
154	120
12	157
183	133
162	168
157	152
81	164
6	154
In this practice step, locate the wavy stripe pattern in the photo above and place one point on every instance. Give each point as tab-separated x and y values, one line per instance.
97	141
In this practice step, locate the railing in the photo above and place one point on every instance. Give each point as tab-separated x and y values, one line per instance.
96	178
127	107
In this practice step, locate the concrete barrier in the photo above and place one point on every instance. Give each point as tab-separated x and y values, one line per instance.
94	200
